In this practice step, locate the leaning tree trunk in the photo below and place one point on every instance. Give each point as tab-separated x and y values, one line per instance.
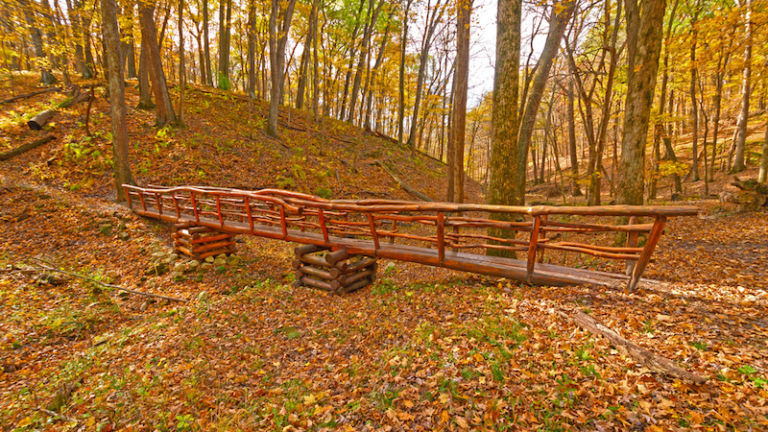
165	112
644	31
114	72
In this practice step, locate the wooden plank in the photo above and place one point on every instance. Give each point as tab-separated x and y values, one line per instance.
653	239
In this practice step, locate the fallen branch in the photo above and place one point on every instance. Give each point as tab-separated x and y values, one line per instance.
25	147
402	184
42	263
55	415
29	95
646	358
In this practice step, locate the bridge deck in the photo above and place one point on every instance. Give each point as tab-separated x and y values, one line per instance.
363	228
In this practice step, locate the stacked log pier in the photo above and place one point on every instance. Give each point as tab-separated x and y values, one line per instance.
333	271
199	242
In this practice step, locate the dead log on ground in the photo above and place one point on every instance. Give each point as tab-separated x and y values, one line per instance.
25	147
411	190
37	122
646	358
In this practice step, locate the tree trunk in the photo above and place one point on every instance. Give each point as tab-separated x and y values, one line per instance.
145	92
401	85
315	72
457	132
182	66
225	23
576	189
164	108
207	46
503	185
644	28
352	53
372	77
277	40
660	121
305	56
432	21
746	77
694	102
364	53
557	24
252	49
114	72
762	176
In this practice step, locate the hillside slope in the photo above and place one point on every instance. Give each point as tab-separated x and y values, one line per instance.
222	143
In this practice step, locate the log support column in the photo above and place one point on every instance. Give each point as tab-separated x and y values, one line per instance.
199	242
334	271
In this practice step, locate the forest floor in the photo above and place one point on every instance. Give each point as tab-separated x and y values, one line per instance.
422	349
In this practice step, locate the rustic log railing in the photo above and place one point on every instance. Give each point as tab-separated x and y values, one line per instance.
458	236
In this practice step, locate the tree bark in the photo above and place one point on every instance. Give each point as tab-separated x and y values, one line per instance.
145	92
457	132
225	21
659	129
278	36
746	87
504	181
182	66
762	176
575	188
207	46
694	102
114	72
164	108
365	45
401	85
434	15
252	49
305	56
644	31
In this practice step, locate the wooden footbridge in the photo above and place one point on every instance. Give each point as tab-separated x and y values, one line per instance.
458	236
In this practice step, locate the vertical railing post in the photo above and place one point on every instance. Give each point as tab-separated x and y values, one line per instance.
247	203
532	246
143	203
128	197
194	206
283	222
218	210
631	242
542	234
372	224
159	203
323	227
645	256
176	205
441	236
